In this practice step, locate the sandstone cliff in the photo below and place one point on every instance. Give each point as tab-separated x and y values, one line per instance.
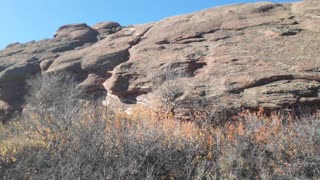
225	58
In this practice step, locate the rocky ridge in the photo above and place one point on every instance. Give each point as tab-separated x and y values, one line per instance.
225	59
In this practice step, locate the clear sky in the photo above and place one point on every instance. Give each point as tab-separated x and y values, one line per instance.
26	20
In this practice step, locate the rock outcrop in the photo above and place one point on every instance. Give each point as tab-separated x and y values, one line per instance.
225	59
80	32
106	28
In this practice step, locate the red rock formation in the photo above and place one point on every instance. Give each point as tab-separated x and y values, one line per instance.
226	58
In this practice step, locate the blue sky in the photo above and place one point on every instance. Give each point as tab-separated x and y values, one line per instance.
26	20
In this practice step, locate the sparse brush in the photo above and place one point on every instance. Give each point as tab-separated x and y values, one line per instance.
84	141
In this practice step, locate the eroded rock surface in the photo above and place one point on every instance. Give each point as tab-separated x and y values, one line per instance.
226	58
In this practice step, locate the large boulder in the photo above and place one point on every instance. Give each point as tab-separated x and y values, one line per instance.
106	28
80	32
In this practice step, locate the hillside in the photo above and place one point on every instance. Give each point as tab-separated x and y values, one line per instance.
225	93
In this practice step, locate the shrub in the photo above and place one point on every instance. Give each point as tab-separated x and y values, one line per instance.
266	148
84	141
168	85
59	141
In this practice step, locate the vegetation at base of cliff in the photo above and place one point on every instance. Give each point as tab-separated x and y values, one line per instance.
63	138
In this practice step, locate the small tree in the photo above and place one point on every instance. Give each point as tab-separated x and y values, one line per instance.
168	85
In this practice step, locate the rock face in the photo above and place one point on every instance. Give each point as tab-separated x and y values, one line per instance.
226	58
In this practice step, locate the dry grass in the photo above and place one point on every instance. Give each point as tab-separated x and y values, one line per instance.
86	142
144	145
104	146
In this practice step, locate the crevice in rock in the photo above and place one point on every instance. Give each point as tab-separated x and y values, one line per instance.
196	37
71	45
221	38
131	97
192	36
271	79
291	32
261	82
266	8
312	70
193	66
194	63
165	41
127	97
191	40
256	25
11	53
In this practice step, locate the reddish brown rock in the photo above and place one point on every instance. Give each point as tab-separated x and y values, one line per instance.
222	59
228	53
